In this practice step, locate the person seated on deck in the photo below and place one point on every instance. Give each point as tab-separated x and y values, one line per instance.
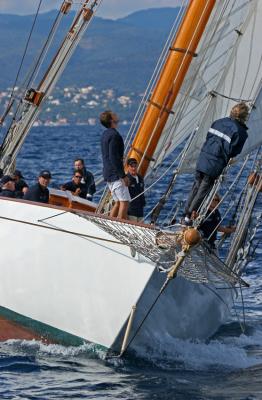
8	186
225	140
211	224
136	190
75	185
21	187
39	192
87	178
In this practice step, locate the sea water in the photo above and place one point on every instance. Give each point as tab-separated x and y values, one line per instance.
227	366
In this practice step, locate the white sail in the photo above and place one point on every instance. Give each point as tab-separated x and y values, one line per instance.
228	66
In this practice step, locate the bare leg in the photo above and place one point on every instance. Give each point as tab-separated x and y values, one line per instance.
123	208
115	210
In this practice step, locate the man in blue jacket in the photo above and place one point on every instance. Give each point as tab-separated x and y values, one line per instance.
136	190
112	145
225	140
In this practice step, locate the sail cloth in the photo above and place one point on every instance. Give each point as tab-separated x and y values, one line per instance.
228	66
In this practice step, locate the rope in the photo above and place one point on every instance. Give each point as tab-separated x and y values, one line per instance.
151	84
145	317
50	227
24	54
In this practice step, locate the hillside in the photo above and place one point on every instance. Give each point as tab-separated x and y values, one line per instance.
110	53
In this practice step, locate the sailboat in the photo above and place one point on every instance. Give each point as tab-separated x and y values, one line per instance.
132	285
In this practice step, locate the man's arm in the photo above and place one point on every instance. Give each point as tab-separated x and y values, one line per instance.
226	229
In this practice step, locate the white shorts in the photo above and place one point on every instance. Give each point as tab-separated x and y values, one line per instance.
136	219
119	190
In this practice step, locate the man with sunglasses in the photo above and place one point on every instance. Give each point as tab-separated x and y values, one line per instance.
75	185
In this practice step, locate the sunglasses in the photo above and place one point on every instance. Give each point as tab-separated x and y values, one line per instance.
78	176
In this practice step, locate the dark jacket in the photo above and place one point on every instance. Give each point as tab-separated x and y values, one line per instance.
19	186
225	139
209	227
136	207
89	181
7	193
71	186
112	145
37	193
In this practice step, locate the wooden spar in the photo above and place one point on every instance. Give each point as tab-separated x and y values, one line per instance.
170	80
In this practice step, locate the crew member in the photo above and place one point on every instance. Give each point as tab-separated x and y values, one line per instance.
136	190
39	192
211	225
8	186
21	187
112	145
75	186
225	140
87	178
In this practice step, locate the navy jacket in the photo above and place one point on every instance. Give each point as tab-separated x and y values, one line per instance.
7	193
88	179
19	186
210	226
71	186
136	207
37	193
112	145
225	139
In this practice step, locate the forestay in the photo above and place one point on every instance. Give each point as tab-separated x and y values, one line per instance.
227	68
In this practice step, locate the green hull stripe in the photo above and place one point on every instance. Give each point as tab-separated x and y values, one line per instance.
46	332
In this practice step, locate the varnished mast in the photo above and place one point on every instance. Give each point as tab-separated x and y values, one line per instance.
171	78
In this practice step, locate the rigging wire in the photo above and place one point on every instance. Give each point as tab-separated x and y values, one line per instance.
189	89
151	84
23	57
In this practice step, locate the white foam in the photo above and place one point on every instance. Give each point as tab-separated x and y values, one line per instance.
229	352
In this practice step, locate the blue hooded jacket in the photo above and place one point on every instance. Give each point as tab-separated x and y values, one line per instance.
225	140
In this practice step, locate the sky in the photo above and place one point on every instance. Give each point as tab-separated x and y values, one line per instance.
109	8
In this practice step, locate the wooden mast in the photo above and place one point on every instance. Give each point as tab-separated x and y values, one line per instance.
170	80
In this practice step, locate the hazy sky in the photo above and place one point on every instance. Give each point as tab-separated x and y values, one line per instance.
108	9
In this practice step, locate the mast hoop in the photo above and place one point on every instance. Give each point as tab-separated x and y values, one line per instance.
165	109
184	51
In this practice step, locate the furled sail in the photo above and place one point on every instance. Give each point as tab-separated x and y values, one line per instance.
227	69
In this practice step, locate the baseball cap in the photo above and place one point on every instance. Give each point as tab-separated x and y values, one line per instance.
18	173
131	161
45	174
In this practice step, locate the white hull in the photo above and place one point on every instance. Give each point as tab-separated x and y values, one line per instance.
86	286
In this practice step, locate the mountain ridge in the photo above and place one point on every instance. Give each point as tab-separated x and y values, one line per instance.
110	52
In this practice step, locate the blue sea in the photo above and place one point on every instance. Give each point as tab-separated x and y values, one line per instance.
227	366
